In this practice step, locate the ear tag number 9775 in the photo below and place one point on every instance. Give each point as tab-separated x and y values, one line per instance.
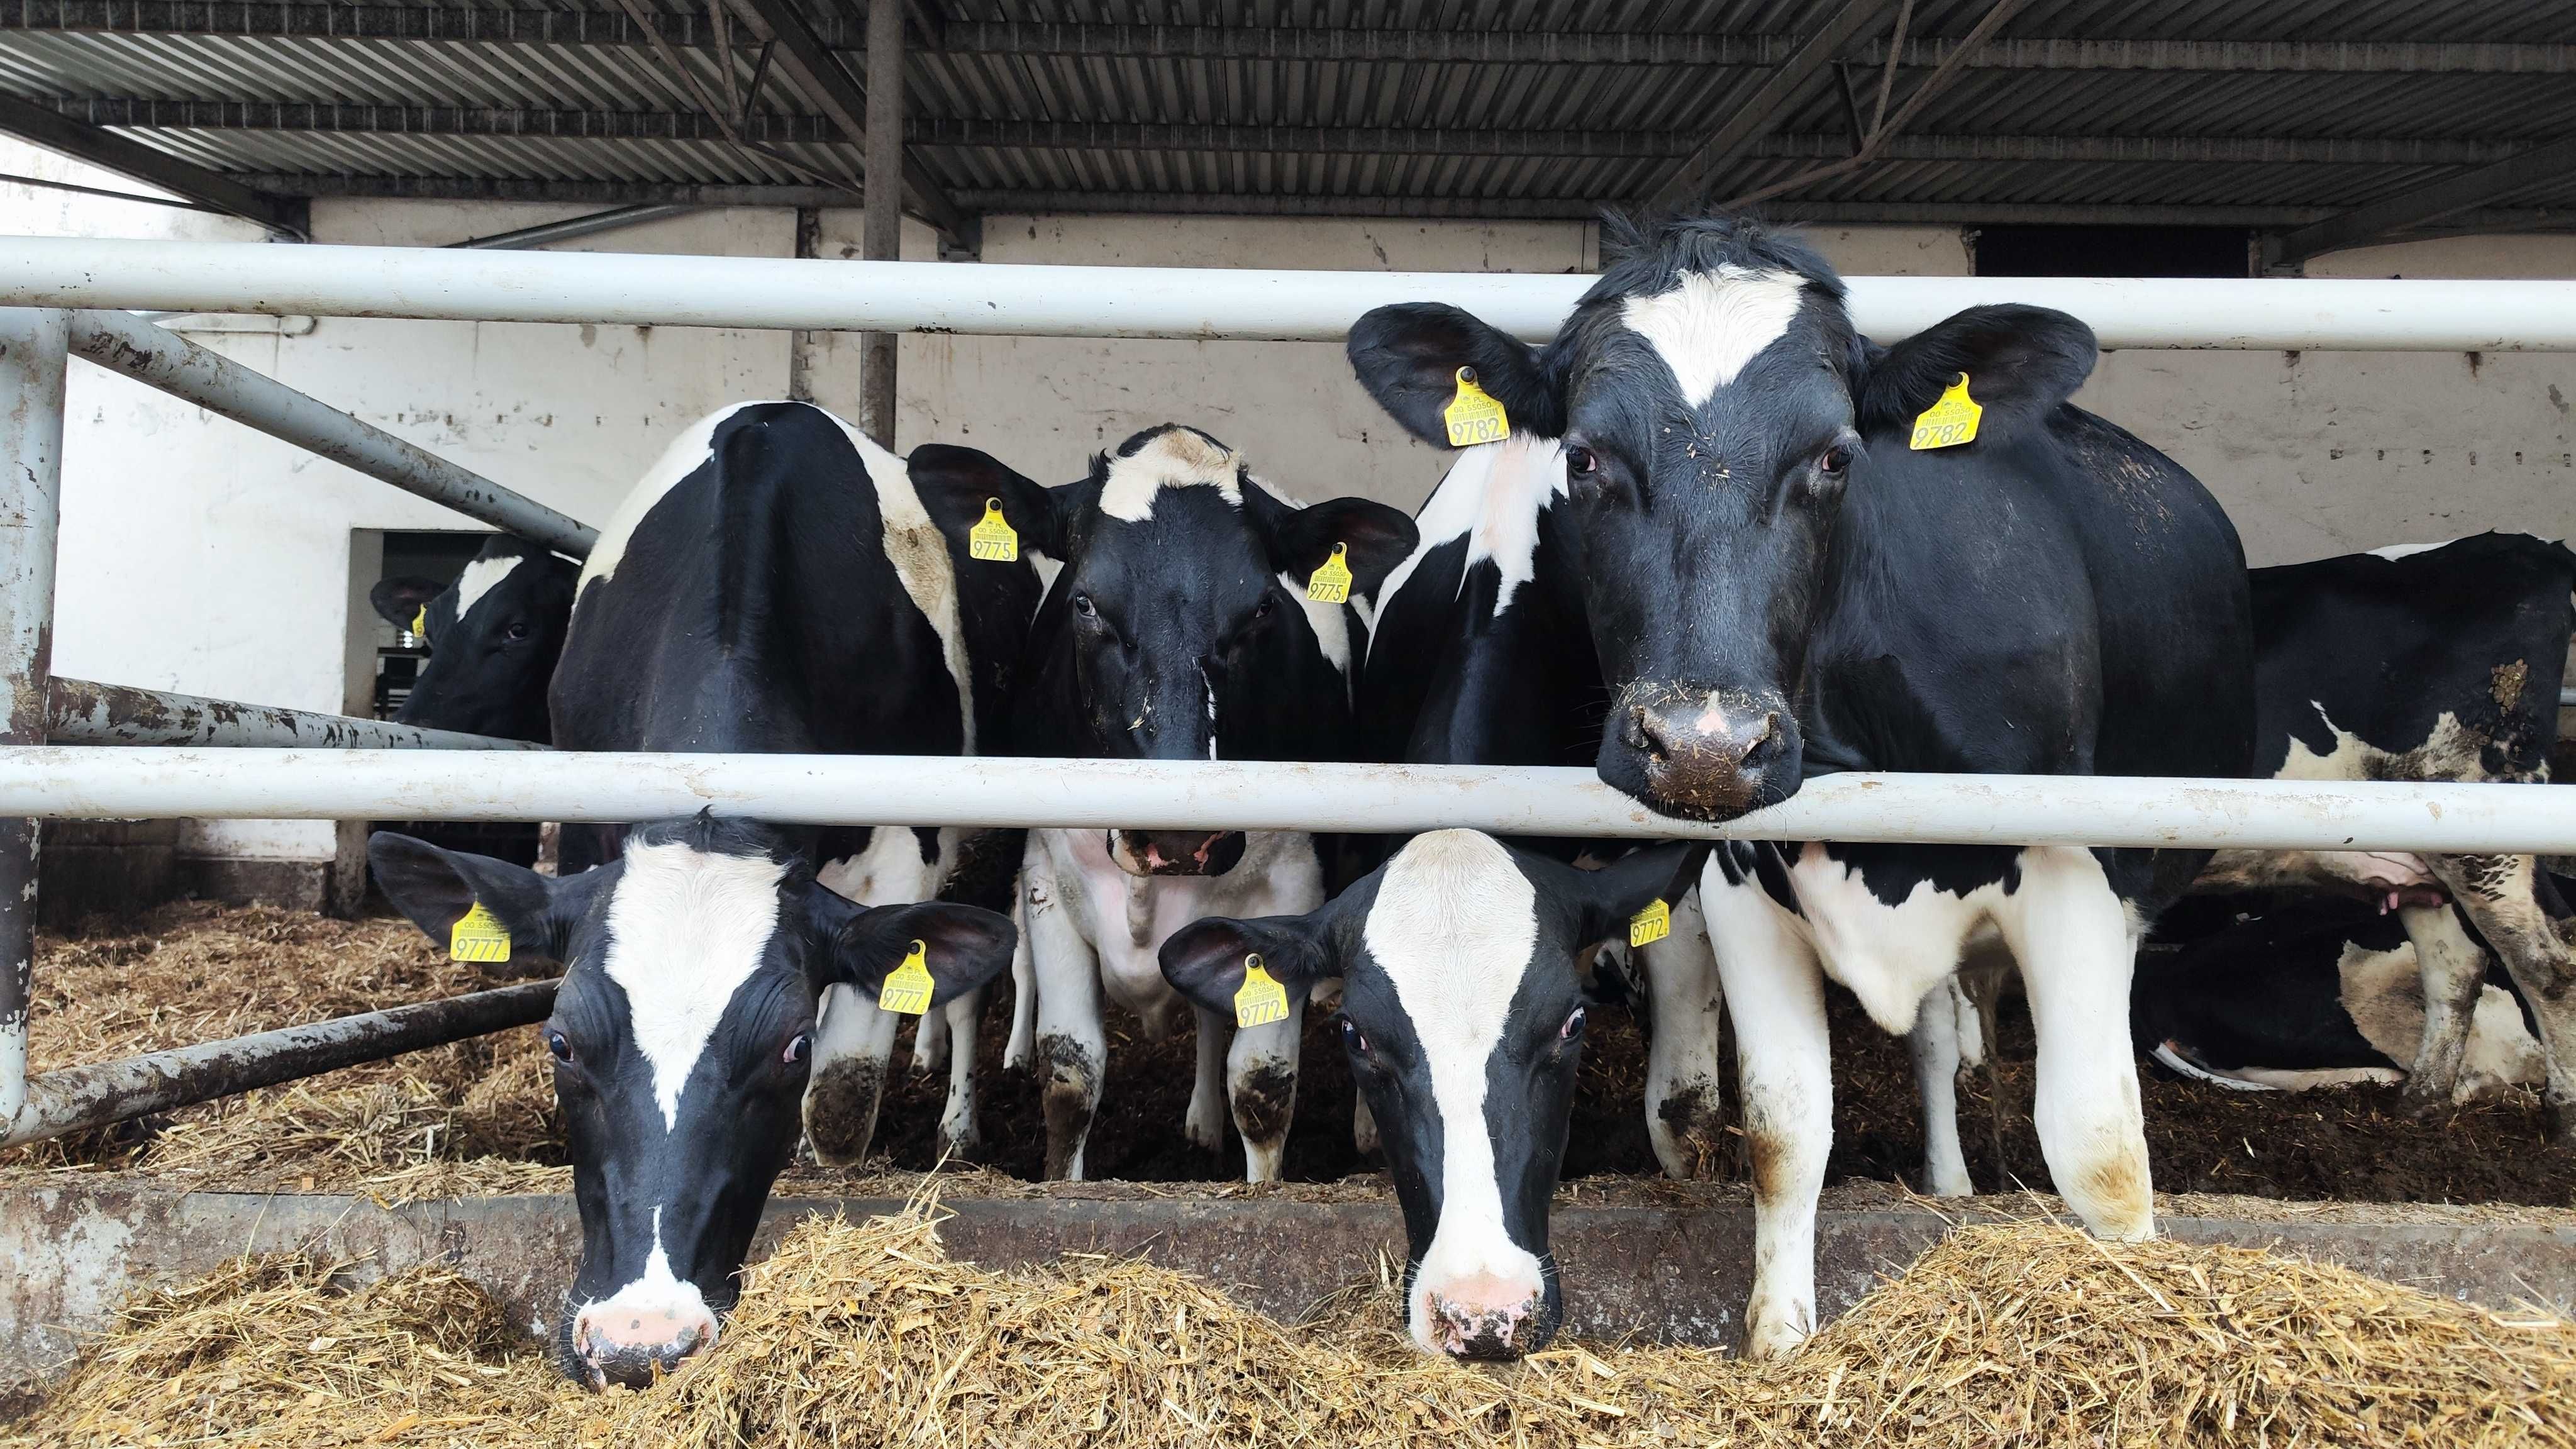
1331	583
994	540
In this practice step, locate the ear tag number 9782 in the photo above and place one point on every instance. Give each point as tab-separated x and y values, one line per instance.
1474	415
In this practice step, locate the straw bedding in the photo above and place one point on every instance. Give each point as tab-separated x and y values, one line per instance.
866	1333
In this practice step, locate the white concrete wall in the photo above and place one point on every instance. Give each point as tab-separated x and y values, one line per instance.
200	556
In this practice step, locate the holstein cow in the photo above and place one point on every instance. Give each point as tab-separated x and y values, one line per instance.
1463	1019
1179	628
778	582
2435	662
1479	655
493	635
2318	991
1779	585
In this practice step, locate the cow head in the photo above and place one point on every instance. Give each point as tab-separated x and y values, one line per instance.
1714	402
493	638
1462	1014
1179	628
681	1036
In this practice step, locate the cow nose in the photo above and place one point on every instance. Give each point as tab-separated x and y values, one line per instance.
1706	736
631	1345
1483	1316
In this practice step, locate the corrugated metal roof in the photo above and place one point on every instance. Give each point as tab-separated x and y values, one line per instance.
1351	122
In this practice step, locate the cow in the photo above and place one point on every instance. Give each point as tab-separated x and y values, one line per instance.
2320	991
1479	655
778	582
1807	553
2436	662
493	635
1179	627
1463	1019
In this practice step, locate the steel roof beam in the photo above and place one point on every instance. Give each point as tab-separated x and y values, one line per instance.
335	21
2417	206
1762	112
48	127
813	66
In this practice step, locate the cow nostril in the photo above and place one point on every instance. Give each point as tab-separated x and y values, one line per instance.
1645	732
1759	739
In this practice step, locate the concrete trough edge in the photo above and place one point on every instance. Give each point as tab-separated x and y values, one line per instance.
74	1250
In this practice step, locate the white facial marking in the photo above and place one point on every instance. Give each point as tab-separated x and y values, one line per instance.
1176	459
1714	323
478	579
687	453
1493	494
685	930
659	1291
1453	927
1332	631
919	553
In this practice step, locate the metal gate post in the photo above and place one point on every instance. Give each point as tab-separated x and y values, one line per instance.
32	349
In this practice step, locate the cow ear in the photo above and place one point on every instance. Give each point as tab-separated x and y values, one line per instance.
436	888
1373	537
962	947
1205	960
957	484
1408	357
2023	361
401	599
1605	901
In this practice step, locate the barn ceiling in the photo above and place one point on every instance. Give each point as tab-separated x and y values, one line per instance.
2321	122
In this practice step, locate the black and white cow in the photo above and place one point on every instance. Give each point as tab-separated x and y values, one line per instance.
2320	991
1479	654
1778	585
493	635
1179	628
2433	662
1462	1016
777	583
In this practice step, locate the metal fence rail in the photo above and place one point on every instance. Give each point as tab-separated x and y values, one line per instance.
80	712
1060	301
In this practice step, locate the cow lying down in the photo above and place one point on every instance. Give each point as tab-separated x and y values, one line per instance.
2321	992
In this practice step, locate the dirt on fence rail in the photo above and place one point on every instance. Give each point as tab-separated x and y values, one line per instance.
479	1115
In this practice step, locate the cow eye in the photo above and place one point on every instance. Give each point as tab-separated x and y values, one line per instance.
799	1047
1835	460
560	1045
518	629
1082	605
1581	463
1573	1026
1354	1038
1263	609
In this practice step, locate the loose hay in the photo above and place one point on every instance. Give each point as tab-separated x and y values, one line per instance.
867	1333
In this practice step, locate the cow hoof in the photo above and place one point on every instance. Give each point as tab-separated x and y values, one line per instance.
963	1144
1773	1333
1688	1133
1206	1136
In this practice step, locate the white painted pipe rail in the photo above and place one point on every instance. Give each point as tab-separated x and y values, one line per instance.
1058	301
55	782
158	357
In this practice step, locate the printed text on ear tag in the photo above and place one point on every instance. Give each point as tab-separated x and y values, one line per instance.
1949	422
478	935
1474	416
993	540
420	624
1260	1001
1331	584
1652	924
908	987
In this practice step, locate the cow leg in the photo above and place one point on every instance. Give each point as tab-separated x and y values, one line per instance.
1024	989
1364	1136
1935	1043
930	1042
1261	1086
1776	991
2453	969
853	1042
1204	1124
1072	1049
1685	1117
2497	892
2072	937
961	1135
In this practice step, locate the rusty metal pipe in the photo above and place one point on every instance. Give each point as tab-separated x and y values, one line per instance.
80	712
31	474
158	357
94	1096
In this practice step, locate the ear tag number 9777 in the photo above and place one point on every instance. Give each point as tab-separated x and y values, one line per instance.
908	987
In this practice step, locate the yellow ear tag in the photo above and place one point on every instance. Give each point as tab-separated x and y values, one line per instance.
478	935
1260	1001
1652	924
1949	422
908	987
1331	584
1473	415
993	540
420	624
